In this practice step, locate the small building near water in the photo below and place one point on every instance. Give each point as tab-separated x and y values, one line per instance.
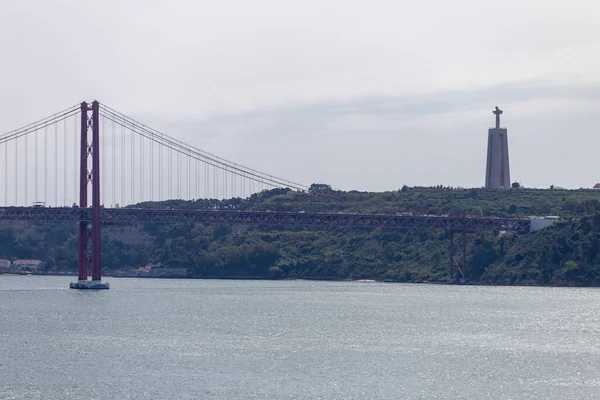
4	266
28	265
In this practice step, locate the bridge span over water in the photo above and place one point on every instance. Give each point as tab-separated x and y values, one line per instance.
452	224
316	220
91	154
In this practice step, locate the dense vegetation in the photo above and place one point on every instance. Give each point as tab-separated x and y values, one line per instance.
565	254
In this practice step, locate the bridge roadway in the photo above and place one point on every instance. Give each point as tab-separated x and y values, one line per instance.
321	220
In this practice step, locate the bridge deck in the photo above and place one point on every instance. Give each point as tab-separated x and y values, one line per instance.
322	220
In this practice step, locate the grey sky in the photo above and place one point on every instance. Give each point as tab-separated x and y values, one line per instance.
365	95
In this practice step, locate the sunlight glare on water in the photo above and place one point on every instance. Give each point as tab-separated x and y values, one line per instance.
219	339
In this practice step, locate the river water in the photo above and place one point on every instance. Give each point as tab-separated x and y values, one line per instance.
219	339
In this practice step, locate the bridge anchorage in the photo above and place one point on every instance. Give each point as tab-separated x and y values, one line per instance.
87	232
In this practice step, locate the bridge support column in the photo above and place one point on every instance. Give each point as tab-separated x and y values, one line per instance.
455	264
96	260
85	233
451	257
464	253
83	259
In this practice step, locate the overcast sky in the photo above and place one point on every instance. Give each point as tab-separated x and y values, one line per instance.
365	95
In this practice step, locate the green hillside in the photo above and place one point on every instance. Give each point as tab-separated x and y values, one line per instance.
565	254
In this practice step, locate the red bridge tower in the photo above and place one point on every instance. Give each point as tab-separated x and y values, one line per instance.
87	232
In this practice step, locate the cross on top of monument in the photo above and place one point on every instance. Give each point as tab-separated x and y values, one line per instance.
497	111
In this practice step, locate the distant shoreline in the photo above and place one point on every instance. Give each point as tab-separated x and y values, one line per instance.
310	278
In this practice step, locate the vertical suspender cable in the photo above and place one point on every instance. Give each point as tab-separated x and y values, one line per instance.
25	169
16	171
35	168
6	174
64	164
75	169
132	167
113	165
36	164
211	187
178	175
160	174
46	163
215	184
170	175
142	198
151	170
55	156
189	195
122	170
103	167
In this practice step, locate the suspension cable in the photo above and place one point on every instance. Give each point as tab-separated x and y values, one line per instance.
31	128
180	149
174	144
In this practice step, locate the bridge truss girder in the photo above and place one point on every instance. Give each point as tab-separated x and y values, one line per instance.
320	220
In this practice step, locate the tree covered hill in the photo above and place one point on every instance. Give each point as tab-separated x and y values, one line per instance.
565	254
419	200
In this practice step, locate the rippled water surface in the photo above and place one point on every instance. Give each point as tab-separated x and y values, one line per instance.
211	339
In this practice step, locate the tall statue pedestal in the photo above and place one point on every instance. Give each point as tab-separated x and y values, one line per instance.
497	174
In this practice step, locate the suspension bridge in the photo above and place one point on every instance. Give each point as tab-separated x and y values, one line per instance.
55	166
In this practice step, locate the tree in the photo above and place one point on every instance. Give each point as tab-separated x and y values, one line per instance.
515	185
319	188
275	272
477	211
